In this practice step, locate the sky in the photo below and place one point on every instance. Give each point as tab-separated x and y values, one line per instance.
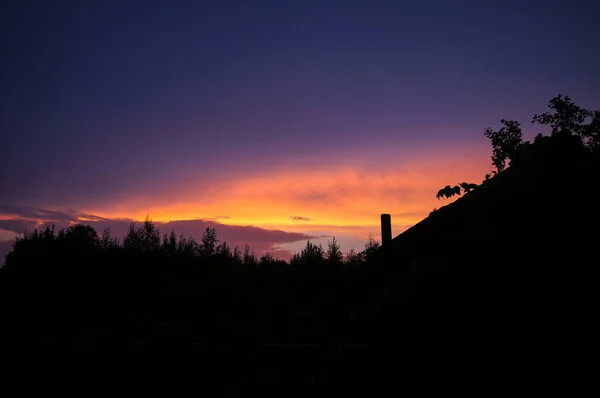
275	122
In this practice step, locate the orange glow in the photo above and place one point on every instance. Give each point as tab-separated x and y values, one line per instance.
347	198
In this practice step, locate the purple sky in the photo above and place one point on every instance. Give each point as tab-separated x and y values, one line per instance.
105	101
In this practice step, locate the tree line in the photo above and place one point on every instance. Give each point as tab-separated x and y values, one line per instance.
146	240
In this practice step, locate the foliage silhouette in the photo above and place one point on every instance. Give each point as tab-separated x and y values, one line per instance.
506	142
566	117
370	249
353	258
209	242
467	187
334	254
107	241
81	236
142	238
448	192
312	255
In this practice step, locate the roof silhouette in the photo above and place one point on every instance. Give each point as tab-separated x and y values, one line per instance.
540	206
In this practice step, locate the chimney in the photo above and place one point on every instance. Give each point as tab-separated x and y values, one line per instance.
386	228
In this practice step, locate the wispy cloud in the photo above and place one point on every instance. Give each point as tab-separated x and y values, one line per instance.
299	218
33	213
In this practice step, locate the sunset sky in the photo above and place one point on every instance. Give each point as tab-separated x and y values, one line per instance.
273	121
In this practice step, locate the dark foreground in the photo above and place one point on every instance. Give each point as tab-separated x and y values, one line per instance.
350	328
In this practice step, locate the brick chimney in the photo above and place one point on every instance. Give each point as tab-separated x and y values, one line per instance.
386	228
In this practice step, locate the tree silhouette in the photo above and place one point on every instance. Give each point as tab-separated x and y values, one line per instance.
311	254
592	132
568	118
237	254
142	239
353	258
151	236
506	142
107	241
80	235
224	250
169	245
334	254
209	242
266	259
133	240
371	247
249	256
188	247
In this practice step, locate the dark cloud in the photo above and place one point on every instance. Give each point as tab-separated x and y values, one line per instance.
222	217
299	218
37	214
18	225
258	238
282	254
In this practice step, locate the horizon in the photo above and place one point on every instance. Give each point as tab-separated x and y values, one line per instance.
274	124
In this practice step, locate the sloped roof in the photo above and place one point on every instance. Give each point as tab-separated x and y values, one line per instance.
541	197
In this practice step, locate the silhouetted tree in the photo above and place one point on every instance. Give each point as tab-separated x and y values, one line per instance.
209	242
249	256
334	254
31	248
224	250
188	247
107	241
567	117
371	247
151	236
169	245
133	240
237	255
48	233
143	239
593	132
266	258
506	142
295	259
353	258
81	236
311	254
